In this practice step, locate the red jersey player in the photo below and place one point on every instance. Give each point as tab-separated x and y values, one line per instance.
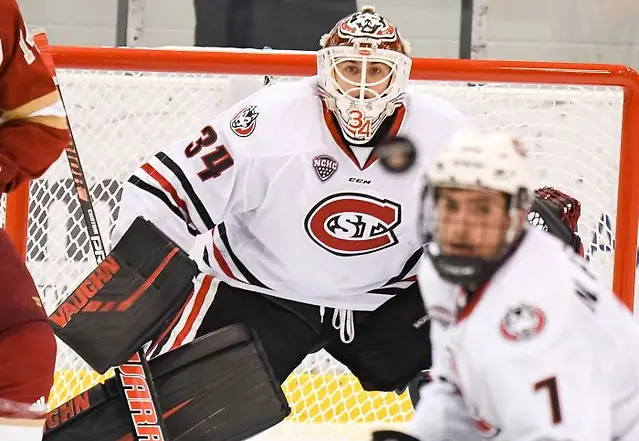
33	133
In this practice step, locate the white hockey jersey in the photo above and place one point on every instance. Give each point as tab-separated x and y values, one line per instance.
543	353
292	211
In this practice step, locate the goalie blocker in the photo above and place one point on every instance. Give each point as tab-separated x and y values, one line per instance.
127	299
217	388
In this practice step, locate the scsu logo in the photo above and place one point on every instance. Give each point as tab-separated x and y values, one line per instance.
352	224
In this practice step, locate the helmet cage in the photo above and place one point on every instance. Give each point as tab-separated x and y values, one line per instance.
469	271
358	107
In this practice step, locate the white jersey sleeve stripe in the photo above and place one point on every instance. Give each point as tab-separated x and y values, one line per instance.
156	345
403	280
219	259
252	280
161	195
167	187
205	287
188	190
394	289
218	263
222	263
409	267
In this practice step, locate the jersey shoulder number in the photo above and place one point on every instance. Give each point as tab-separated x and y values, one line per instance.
216	161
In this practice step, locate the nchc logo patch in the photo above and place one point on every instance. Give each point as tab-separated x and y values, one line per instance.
245	121
324	166
352	224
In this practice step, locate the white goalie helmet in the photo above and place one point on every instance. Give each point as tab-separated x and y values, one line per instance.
494	162
362	100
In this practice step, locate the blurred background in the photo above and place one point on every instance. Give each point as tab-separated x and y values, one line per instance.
550	30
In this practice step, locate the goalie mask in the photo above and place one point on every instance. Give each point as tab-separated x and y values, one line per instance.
363	68
474	206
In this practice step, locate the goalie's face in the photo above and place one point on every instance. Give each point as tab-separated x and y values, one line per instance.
362	80
471	223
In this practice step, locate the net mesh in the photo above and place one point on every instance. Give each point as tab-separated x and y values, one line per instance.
120	119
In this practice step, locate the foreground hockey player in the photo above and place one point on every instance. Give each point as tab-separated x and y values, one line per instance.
310	243
519	354
33	134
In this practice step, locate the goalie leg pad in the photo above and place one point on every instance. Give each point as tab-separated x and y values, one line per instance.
126	300
217	388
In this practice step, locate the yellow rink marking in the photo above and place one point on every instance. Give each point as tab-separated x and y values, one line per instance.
314	398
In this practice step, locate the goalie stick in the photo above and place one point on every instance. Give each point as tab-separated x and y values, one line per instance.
148	424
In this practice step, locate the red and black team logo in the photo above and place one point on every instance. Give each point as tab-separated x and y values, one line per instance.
352	224
522	322
367	25
244	122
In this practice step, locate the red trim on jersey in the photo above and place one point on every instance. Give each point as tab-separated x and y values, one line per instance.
474	300
477	295
336	133
370	161
222	263
334	129
399	119
397	124
410	279
197	307
166	186
171	325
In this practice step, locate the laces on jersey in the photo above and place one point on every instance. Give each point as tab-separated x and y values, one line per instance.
342	321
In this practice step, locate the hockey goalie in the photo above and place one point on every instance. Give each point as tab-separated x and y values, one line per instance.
33	134
518	355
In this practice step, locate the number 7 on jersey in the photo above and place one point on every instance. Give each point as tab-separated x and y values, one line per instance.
550	384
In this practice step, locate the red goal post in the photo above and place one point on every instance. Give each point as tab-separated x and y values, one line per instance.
476	71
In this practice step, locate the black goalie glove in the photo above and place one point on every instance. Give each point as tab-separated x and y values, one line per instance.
557	213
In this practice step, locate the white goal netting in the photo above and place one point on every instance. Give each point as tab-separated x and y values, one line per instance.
120	119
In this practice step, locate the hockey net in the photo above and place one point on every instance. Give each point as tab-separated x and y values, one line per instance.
126	104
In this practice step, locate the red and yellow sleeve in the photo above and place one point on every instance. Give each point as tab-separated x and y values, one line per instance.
33	130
